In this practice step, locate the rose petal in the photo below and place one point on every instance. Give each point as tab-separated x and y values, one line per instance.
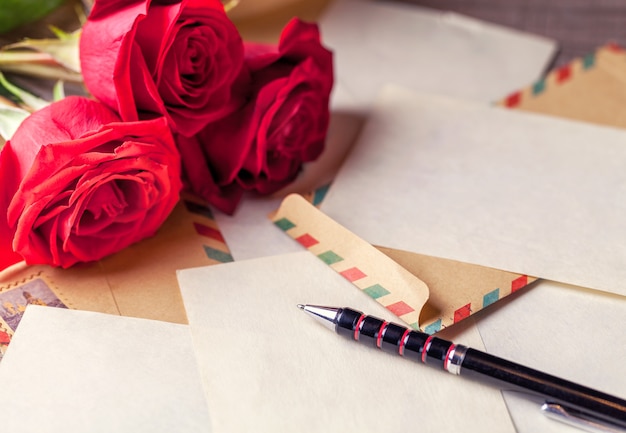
148	49
103	187
103	42
9	180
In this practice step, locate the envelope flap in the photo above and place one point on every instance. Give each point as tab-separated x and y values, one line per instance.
398	290
426	292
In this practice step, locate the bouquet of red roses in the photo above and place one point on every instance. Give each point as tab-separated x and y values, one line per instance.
179	101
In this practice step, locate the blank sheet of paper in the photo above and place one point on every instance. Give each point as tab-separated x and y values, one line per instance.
514	191
376	42
269	367
380	42
77	371
573	333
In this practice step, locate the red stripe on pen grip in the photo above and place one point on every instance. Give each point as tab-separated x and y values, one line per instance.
357	328
405	337
447	360
426	347
381	332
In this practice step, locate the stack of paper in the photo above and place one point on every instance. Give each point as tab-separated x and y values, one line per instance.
448	176
510	190
465	181
265	366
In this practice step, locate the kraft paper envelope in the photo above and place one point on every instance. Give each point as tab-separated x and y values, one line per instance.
428	293
591	89
139	281
268	367
515	191
375	42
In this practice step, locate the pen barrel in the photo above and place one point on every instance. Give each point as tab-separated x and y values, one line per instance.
393	338
478	365
508	375
588	403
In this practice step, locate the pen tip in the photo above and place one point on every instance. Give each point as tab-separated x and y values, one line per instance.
301	306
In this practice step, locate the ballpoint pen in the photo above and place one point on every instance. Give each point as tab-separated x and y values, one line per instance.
566	401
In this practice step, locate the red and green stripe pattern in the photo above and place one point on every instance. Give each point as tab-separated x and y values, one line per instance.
207	230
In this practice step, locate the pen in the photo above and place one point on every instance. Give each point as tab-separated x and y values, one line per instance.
563	400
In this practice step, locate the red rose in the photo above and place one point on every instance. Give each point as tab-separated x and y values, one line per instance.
178	59
77	184
262	146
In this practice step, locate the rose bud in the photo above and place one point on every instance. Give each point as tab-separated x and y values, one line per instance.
78	184
177	59
263	146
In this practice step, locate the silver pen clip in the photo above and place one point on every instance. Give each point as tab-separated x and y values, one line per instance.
578	419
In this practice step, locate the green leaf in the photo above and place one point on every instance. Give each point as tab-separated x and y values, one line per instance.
229	4
14	13
10	119
61	34
53	72
58	92
30	100
64	50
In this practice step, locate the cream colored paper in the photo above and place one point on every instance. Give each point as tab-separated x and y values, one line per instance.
567	331
510	190
78	371
380	42
269	367
375	42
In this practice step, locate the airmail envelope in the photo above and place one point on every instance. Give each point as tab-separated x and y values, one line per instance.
454	191
590	89
525	193
428	293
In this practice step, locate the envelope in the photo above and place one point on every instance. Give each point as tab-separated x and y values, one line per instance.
139	281
589	89
521	192
427	293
